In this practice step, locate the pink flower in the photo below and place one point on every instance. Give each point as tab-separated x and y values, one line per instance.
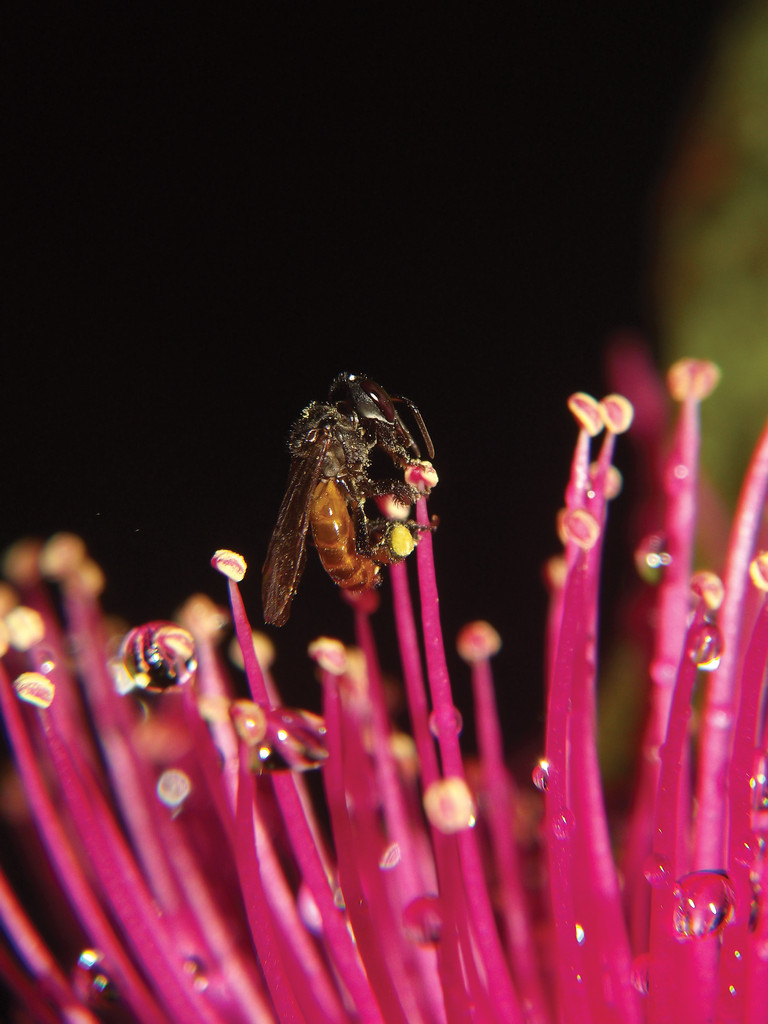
201	853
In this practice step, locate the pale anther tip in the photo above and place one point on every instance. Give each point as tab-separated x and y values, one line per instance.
555	572
586	411
692	378
25	627
617	413
329	654
758	570
230	564
421	475
477	641
449	806
62	555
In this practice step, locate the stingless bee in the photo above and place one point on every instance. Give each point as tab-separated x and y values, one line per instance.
330	480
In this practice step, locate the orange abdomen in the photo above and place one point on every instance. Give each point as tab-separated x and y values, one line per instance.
334	535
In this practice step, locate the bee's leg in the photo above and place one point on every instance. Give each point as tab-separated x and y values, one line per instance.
355	497
362	536
402	492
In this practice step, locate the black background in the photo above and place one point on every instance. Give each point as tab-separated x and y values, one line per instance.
213	214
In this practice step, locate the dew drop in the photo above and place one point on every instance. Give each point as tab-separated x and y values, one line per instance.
423	920
579	934
540	775
639	973
651	557
657	870
193	968
457	723
705	646
91	982
759	787
704	904
173	788
157	656
563	823
34	688
390	858
46	663
309	912
249	721
338	899
294	739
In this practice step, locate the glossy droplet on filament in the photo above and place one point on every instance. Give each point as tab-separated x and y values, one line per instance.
157	656
423	920
639	973
173	787
758	784
193	967
651	557
34	688
657	870
540	775
705	646
390	857
457	723
293	739
563	823
90	981
704	904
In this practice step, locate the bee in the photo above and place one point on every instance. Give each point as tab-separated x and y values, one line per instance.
331	446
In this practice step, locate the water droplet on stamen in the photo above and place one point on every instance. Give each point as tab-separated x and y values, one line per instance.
34	688
657	870
193	968
309	910
705	646
173	788
294	739
639	973
90	981
45	661
390	858
423	920
540	775
158	656
704	904
338	899
651	557
579	934
456	725
563	823
759	787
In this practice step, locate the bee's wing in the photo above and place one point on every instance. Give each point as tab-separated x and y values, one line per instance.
287	554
